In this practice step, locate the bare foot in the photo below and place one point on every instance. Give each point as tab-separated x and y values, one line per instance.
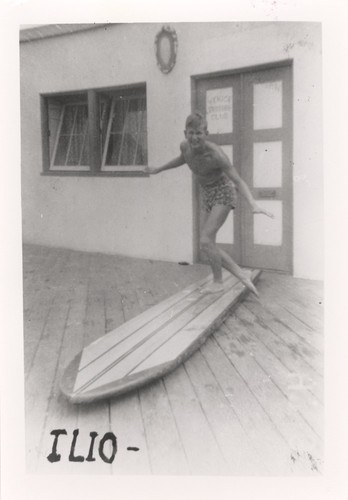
214	287
249	284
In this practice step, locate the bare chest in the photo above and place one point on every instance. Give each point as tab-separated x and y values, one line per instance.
203	165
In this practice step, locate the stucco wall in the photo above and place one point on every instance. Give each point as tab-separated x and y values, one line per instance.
152	217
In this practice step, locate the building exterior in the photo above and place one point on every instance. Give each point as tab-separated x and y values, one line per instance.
99	102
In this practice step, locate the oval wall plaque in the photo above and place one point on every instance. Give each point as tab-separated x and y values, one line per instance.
166	44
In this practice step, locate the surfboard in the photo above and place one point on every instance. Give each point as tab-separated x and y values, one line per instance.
151	344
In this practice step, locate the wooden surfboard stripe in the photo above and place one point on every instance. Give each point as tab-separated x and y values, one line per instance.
187	336
134	324
166	329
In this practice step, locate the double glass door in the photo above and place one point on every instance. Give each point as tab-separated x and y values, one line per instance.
249	115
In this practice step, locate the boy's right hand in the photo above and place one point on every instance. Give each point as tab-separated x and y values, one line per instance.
150	170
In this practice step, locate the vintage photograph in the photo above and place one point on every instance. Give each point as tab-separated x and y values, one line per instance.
173	248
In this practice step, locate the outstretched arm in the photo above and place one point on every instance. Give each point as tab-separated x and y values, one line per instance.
242	186
176	162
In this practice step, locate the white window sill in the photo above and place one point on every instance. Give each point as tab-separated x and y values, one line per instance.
123	168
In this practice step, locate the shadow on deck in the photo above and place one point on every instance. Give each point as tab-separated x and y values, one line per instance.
248	402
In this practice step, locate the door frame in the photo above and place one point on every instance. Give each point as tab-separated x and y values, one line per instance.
195	186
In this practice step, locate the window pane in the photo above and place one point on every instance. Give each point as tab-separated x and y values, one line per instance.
225	234
75	150
228	150
267	105
54	114
141	158
81	120
68	120
62	150
70	148
119	116
126	139
128	150
85	154
104	116
113	152
267	164
219	105
268	231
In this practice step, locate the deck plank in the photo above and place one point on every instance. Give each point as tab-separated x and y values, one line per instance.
285	349
201	447
237	449
127	408
59	409
294	387
114	315
297	305
165	448
127	421
37	271
306	293
96	416
282	338
290	424
38	302
43	374
260	429
311	337
275	302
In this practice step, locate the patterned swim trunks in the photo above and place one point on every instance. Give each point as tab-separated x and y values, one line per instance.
221	193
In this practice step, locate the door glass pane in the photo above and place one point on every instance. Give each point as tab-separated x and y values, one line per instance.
219	106
267	105
267	170
268	231
225	234
228	150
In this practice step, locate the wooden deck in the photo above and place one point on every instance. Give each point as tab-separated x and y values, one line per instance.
248	402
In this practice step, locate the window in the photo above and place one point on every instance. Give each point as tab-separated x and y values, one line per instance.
123	128
95	132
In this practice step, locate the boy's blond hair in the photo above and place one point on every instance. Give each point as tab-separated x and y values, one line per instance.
196	119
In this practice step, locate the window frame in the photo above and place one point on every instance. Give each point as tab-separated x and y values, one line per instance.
95	167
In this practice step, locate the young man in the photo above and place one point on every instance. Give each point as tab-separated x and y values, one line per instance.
218	180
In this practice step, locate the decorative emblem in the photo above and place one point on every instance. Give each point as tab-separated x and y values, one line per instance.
166	44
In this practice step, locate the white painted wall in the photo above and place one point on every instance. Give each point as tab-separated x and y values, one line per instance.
152	217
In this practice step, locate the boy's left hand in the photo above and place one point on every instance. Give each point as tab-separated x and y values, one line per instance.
150	170
259	210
